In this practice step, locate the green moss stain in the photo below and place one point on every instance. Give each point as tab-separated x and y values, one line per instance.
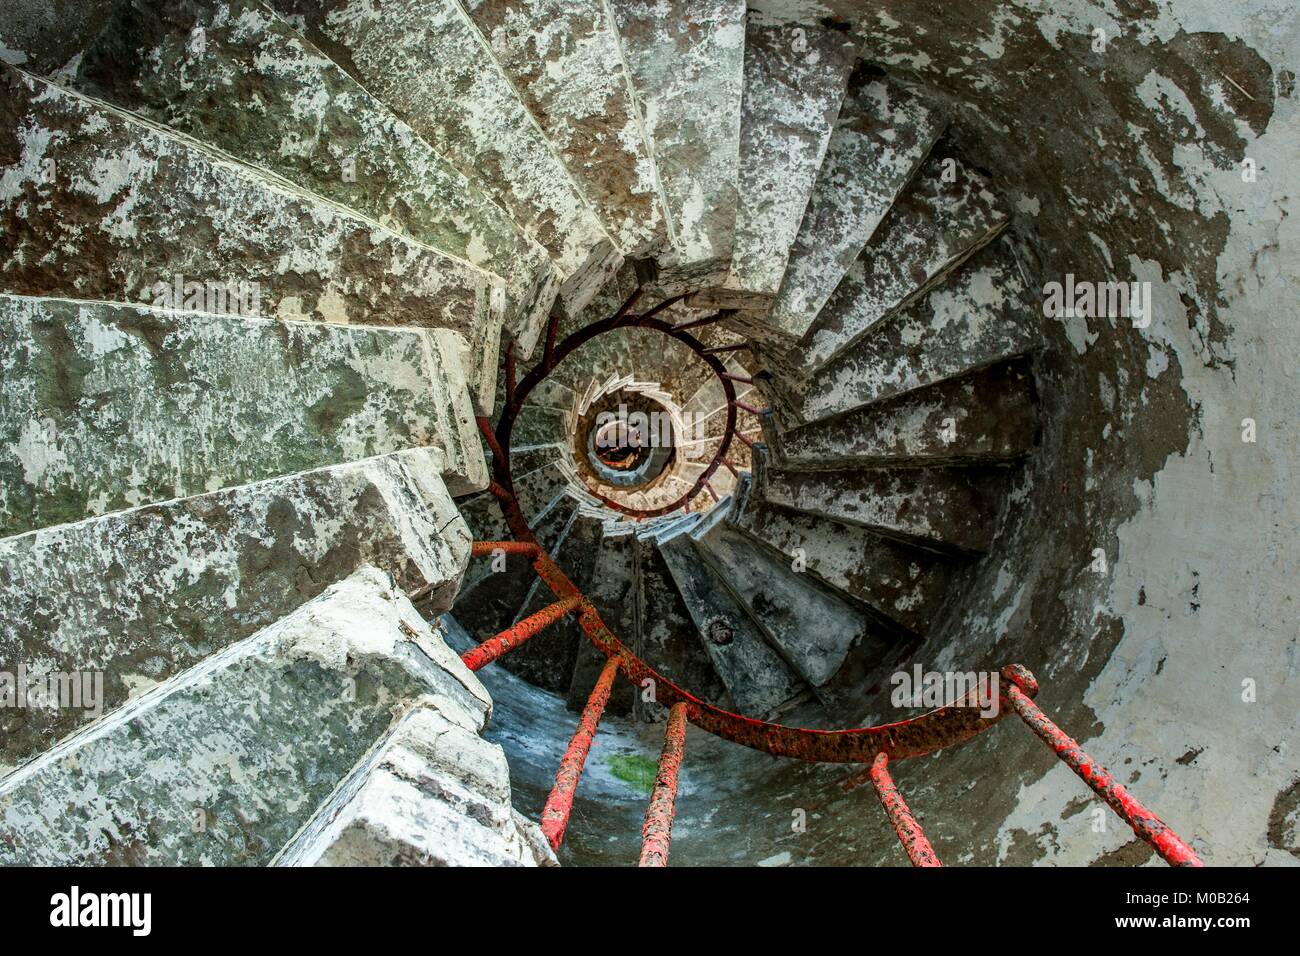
635	770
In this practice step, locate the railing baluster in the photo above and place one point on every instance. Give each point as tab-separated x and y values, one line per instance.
487	549
555	815
479	657
909	832
1145	824
657	833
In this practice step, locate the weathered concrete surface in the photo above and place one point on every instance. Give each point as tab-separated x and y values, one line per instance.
105	407
257	90
663	638
565	62
431	793
984	416
98	205
757	678
883	132
223	763
427	63
935	507
813	627
612	587
686	61
932	228
795	78
982	316
141	595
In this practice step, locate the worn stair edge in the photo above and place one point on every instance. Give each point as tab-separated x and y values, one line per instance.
223	763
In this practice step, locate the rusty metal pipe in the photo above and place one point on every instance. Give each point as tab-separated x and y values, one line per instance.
910	834
486	549
555	815
657	833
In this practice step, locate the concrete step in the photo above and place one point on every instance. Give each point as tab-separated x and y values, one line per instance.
795	80
900	583
140	595
982	316
814	629
257	90
118	209
106	406
686	61
947	214
663	619
565	62
987	415
758	679
612	587
222	764
432	792
426	61
540	425
946	509
883	133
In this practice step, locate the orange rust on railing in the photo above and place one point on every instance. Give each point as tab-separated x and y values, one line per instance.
909	832
657	832
479	657
555	815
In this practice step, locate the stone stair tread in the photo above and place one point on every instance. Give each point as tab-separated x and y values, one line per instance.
686	62
759	681
900	583
565	62
140	595
987	415
425	60
262	93
979	317
883	133
430	793
662	619
181	400
814	628
145	208
795	79
932	229
250	741
942	508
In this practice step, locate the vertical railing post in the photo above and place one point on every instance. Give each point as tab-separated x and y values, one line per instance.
909	832
1145	824
657	833
555	815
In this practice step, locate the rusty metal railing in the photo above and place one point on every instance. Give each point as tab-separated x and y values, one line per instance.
873	747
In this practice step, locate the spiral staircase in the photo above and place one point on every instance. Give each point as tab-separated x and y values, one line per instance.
287	539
